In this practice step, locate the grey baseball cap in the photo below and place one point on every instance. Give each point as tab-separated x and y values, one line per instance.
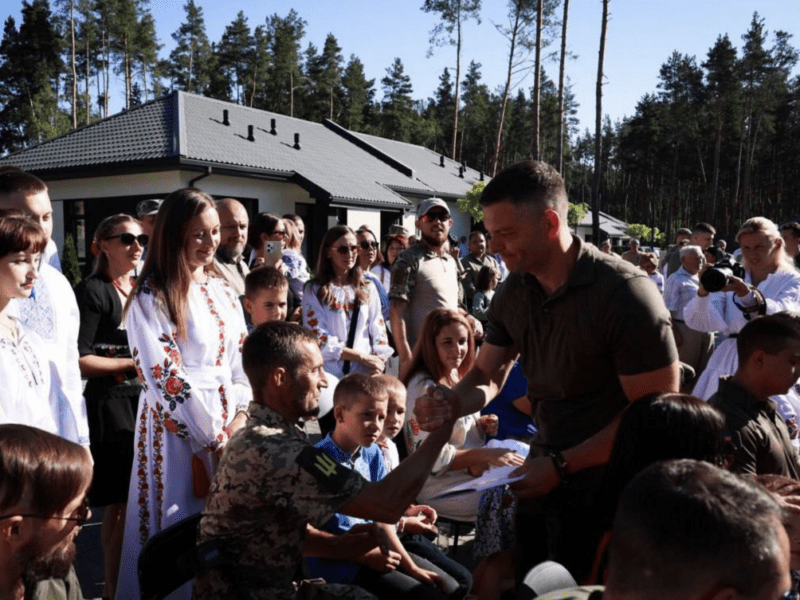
148	207
426	205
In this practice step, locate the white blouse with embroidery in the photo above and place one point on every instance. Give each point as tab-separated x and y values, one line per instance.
193	388
331	325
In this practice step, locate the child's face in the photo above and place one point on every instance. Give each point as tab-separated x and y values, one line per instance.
492	282
362	423
395	415
266	306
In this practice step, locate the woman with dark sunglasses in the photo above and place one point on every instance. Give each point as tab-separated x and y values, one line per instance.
112	390
330	301
369	255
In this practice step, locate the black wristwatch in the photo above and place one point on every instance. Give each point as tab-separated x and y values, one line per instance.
562	469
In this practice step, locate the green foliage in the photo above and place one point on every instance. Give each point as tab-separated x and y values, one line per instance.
470	204
643	233
576	212
69	263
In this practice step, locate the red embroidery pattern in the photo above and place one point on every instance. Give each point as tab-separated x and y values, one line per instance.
220	324
157	444
143	485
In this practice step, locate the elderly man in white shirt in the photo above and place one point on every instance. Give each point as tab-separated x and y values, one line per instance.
694	347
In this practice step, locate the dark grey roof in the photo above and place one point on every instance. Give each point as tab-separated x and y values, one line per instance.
186	129
142	134
427	166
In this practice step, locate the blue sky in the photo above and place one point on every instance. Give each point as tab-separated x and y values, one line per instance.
641	36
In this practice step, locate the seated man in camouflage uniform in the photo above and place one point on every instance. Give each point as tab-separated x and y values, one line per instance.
271	483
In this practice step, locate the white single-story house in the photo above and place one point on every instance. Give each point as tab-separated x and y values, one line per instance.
272	163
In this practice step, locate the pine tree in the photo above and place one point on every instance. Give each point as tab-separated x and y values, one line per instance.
235	55
284	74
30	66
358	95
449	32
397	103
190	59
147	47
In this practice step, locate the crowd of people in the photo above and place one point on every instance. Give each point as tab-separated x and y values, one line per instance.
208	344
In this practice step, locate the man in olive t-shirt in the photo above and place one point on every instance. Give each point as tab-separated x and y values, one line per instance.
593	335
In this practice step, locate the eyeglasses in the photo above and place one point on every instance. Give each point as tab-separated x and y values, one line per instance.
436	216
281	233
80	520
128	238
347	249
395	248
367	245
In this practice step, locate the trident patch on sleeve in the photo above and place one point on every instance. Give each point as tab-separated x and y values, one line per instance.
323	468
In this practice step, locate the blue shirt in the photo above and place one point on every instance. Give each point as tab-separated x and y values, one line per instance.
681	287
369	463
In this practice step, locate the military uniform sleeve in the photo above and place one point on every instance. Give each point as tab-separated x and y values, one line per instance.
639	328
403	277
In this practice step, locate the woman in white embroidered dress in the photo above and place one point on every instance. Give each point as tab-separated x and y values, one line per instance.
185	329
329	302
770	281
24	376
444	353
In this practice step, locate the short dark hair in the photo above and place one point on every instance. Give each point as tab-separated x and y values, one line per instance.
45	471
792	226
770	333
689	517
264	278
703	227
358	384
16	181
272	345
18	233
683	231
473	233
531	182
262	223
484	275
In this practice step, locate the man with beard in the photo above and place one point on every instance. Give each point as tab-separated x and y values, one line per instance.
271	484
424	278
43	484
233	222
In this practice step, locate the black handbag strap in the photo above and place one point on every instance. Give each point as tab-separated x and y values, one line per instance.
351	334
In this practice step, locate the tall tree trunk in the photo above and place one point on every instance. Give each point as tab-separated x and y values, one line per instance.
598	130
458	81
74	69
128	79
537	80
712	213
561	70
88	78
499	136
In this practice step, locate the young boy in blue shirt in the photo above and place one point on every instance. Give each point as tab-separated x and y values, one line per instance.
360	405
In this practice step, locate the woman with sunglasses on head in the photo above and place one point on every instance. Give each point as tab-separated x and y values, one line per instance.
337	292
186	329
112	389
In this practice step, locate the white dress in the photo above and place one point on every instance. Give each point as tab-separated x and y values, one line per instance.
192	389
717	312
25	375
331	325
467	435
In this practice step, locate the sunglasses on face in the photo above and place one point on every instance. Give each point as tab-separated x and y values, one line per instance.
128	238
367	245
347	249
436	216
80	520
281	233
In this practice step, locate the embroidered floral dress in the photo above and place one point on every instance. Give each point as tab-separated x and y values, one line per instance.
331	325
25	382
192	390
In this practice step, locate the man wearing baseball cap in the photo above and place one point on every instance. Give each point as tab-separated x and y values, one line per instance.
424	277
